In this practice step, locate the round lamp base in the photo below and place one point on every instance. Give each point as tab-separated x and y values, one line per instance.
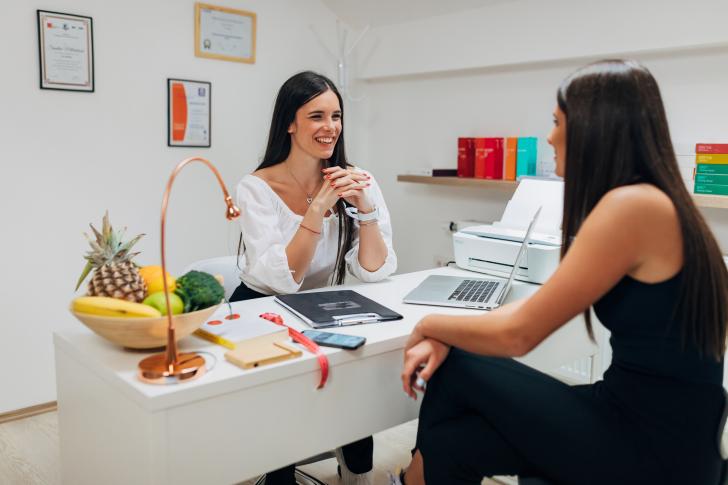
155	370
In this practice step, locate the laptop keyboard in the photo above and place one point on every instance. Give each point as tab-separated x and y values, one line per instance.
474	290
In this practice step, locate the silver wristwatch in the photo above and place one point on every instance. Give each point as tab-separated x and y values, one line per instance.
354	213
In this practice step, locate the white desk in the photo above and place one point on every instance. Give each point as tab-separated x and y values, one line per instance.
234	424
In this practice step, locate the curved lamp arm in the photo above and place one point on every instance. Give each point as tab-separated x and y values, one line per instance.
175	367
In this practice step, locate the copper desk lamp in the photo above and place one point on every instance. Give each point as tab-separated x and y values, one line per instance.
172	365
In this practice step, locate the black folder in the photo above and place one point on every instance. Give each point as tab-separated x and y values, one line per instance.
336	308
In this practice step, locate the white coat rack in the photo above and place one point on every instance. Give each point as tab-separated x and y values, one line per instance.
342	57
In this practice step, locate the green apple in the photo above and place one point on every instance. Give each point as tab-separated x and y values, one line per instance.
157	301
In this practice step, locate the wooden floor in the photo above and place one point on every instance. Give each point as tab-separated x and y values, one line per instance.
29	453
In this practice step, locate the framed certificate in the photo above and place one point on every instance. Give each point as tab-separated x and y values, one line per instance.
66	51
188	113
224	33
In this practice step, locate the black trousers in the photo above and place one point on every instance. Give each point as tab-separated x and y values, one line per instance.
484	416
357	455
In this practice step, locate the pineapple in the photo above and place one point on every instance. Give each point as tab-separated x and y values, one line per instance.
115	275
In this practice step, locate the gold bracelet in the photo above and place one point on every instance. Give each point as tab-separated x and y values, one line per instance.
368	223
318	233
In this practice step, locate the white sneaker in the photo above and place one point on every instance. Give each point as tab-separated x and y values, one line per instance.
348	477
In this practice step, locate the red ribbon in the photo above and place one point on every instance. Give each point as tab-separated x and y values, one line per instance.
306	342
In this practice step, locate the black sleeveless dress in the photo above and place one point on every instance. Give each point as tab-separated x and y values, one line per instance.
673	397
653	419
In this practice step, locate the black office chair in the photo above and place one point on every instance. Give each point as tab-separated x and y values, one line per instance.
302	477
722	449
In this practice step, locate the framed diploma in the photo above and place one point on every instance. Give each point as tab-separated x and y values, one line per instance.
224	33
188	113
66	51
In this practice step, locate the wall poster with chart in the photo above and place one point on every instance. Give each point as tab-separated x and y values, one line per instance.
188	113
224	33
66	54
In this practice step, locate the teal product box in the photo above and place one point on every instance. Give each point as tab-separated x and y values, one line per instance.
526	156
713	168
708	178
711	189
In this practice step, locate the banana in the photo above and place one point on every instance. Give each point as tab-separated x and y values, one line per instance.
112	307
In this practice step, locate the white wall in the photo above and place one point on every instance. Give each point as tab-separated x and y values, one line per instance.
69	156
426	85
518	31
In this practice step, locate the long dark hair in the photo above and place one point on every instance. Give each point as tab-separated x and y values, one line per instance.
298	90
617	134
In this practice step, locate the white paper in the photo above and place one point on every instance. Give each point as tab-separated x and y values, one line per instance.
226	33
66	57
528	197
243	328
192	128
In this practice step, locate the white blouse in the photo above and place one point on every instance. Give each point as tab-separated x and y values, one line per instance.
268	225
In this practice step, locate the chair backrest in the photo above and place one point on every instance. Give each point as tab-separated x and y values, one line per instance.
227	266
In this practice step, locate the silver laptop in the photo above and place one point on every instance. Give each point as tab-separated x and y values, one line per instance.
466	292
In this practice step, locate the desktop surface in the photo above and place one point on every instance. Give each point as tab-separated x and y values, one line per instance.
240	420
119	365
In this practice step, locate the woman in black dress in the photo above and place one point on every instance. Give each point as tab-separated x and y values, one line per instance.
637	250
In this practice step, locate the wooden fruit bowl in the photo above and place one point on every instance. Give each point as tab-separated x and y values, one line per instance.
144	333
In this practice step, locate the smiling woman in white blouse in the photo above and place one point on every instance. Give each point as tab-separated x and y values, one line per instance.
308	216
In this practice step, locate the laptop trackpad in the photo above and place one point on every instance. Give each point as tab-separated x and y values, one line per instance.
434	288
442	283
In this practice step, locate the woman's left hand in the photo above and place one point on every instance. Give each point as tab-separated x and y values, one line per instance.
420	363
350	185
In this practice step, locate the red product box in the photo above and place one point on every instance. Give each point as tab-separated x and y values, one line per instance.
466	157
711	148
489	158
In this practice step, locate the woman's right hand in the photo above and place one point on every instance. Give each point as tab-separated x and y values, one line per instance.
337	182
428	353
326	197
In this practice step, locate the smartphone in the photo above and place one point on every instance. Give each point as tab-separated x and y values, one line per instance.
330	339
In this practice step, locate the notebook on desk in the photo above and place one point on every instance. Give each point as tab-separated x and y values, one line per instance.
466	292
336	308
252	341
229	331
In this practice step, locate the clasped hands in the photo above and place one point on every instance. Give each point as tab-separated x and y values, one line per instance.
341	183
422	357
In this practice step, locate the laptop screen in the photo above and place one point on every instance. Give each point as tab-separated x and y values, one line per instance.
521	252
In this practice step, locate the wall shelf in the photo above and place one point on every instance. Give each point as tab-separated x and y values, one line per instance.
715	201
702	200
486	66
509	185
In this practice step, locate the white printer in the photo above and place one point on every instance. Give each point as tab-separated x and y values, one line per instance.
492	248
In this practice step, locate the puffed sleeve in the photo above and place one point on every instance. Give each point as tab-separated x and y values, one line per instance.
265	261
385	227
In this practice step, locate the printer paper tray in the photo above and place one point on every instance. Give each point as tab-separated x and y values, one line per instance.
496	269
509	234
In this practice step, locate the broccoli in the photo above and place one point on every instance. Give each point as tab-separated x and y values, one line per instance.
199	290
